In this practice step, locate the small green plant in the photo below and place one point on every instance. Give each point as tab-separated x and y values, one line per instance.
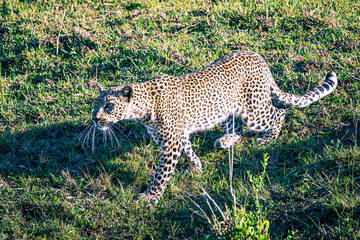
239	223
247	224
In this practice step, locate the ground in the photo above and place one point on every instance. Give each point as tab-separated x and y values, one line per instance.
53	55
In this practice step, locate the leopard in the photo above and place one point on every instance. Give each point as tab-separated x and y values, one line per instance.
236	90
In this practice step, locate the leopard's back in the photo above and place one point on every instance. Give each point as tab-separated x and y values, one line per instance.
231	85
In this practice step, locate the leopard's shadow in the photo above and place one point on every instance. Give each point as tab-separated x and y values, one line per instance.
43	152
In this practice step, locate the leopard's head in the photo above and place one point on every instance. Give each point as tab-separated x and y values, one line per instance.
111	106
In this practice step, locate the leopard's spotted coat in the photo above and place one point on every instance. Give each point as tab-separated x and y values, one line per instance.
171	108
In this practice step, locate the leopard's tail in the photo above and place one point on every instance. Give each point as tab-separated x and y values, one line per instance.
305	100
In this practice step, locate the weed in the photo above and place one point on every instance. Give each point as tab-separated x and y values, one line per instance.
238	222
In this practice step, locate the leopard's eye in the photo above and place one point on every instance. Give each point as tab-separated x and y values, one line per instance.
109	105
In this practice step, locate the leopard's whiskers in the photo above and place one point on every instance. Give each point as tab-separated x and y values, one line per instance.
108	135
93	140
105	133
111	133
82	133
117	128
87	136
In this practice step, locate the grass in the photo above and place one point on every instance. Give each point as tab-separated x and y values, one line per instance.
53	54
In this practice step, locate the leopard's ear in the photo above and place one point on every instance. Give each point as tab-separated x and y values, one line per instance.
126	93
101	89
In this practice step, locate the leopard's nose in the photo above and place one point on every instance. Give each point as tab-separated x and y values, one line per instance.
96	119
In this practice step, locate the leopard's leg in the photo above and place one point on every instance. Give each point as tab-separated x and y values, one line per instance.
168	160
233	133
272	133
267	119
187	148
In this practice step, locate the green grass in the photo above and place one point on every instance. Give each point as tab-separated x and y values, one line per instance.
53	54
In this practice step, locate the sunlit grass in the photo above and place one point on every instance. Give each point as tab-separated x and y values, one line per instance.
54	54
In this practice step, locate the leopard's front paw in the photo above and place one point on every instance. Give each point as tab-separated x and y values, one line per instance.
151	199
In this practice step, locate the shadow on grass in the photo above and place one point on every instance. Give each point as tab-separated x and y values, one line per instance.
45	152
49	151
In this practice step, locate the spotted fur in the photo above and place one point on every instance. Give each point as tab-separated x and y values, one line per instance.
171	108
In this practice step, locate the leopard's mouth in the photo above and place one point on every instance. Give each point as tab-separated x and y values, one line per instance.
102	126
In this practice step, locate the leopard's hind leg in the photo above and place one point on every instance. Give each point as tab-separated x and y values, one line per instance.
272	133
269	121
